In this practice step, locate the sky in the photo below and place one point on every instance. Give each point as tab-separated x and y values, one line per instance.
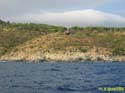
65	12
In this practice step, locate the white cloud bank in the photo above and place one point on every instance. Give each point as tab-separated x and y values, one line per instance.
86	17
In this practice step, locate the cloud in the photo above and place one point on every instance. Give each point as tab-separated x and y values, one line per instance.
86	17
49	3
5	4
19	7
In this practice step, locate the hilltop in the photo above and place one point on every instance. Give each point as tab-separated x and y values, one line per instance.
35	42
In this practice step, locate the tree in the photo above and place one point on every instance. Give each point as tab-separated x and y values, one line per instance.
2	22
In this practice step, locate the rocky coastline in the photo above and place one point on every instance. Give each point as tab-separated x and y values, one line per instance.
56	57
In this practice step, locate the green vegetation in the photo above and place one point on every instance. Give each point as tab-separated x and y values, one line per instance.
83	50
2	22
14	34
118	51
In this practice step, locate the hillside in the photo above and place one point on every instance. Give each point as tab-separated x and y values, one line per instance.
54	43
15	34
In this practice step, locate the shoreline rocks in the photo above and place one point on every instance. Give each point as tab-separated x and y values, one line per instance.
61	57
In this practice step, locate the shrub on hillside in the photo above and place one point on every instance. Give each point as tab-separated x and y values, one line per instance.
118	51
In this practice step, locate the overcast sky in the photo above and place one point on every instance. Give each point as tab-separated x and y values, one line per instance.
65	12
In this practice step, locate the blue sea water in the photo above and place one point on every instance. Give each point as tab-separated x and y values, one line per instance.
77	77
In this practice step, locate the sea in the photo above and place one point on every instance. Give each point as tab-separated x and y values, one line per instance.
62	77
